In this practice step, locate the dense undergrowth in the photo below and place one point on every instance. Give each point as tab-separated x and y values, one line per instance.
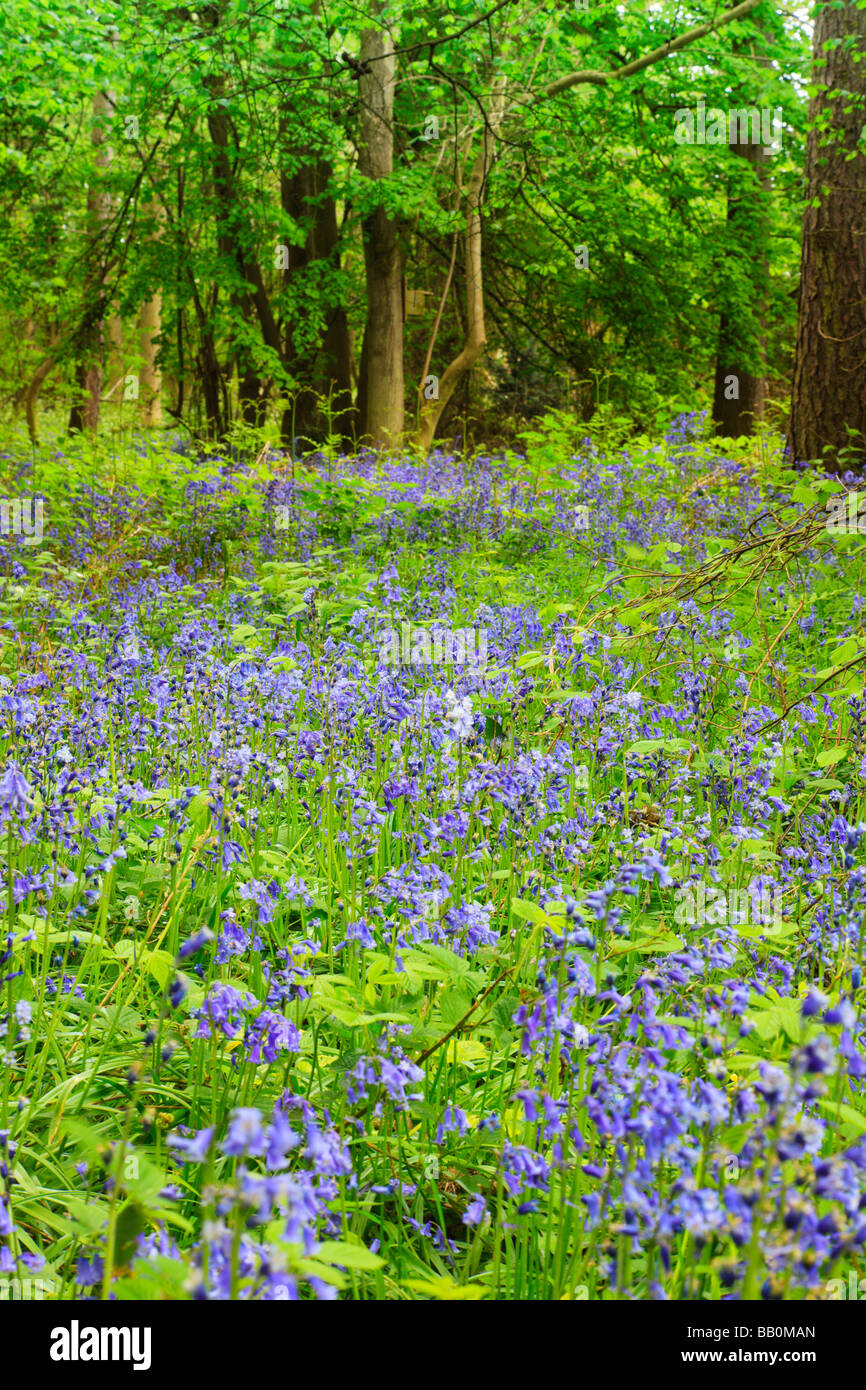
332	968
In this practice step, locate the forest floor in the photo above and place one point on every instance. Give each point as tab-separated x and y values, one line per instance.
413	893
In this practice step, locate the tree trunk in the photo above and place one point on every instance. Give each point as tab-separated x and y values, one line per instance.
236	240
150	328
739	395
326	373
828	397
34	386
210	376
476	332
84	414
150	325
740	392
229	235
380	389
114	348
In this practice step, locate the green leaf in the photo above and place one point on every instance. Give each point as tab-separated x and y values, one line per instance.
530	912
131	1221
453	1004
830	756
846	1113
444	1289
349	1256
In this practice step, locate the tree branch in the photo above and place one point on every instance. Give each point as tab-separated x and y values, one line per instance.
601	79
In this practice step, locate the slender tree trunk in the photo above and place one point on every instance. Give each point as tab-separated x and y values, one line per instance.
297	194
828	398
476	332
150	329
150	325
380	388
326	372
114	348
739	395
229	235
235	240
207	366
336	373
84	414
25	347
34	386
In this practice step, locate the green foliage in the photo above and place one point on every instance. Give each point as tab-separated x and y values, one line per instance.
595	166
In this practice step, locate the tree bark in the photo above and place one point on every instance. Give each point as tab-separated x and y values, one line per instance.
150	325
430	411
736	415
675	45
114	347
380	389
828	397
229	236
326	371
150	328
34	386
235	241
84	414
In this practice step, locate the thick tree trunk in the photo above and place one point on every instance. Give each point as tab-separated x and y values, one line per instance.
380	389
84	414
828	398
